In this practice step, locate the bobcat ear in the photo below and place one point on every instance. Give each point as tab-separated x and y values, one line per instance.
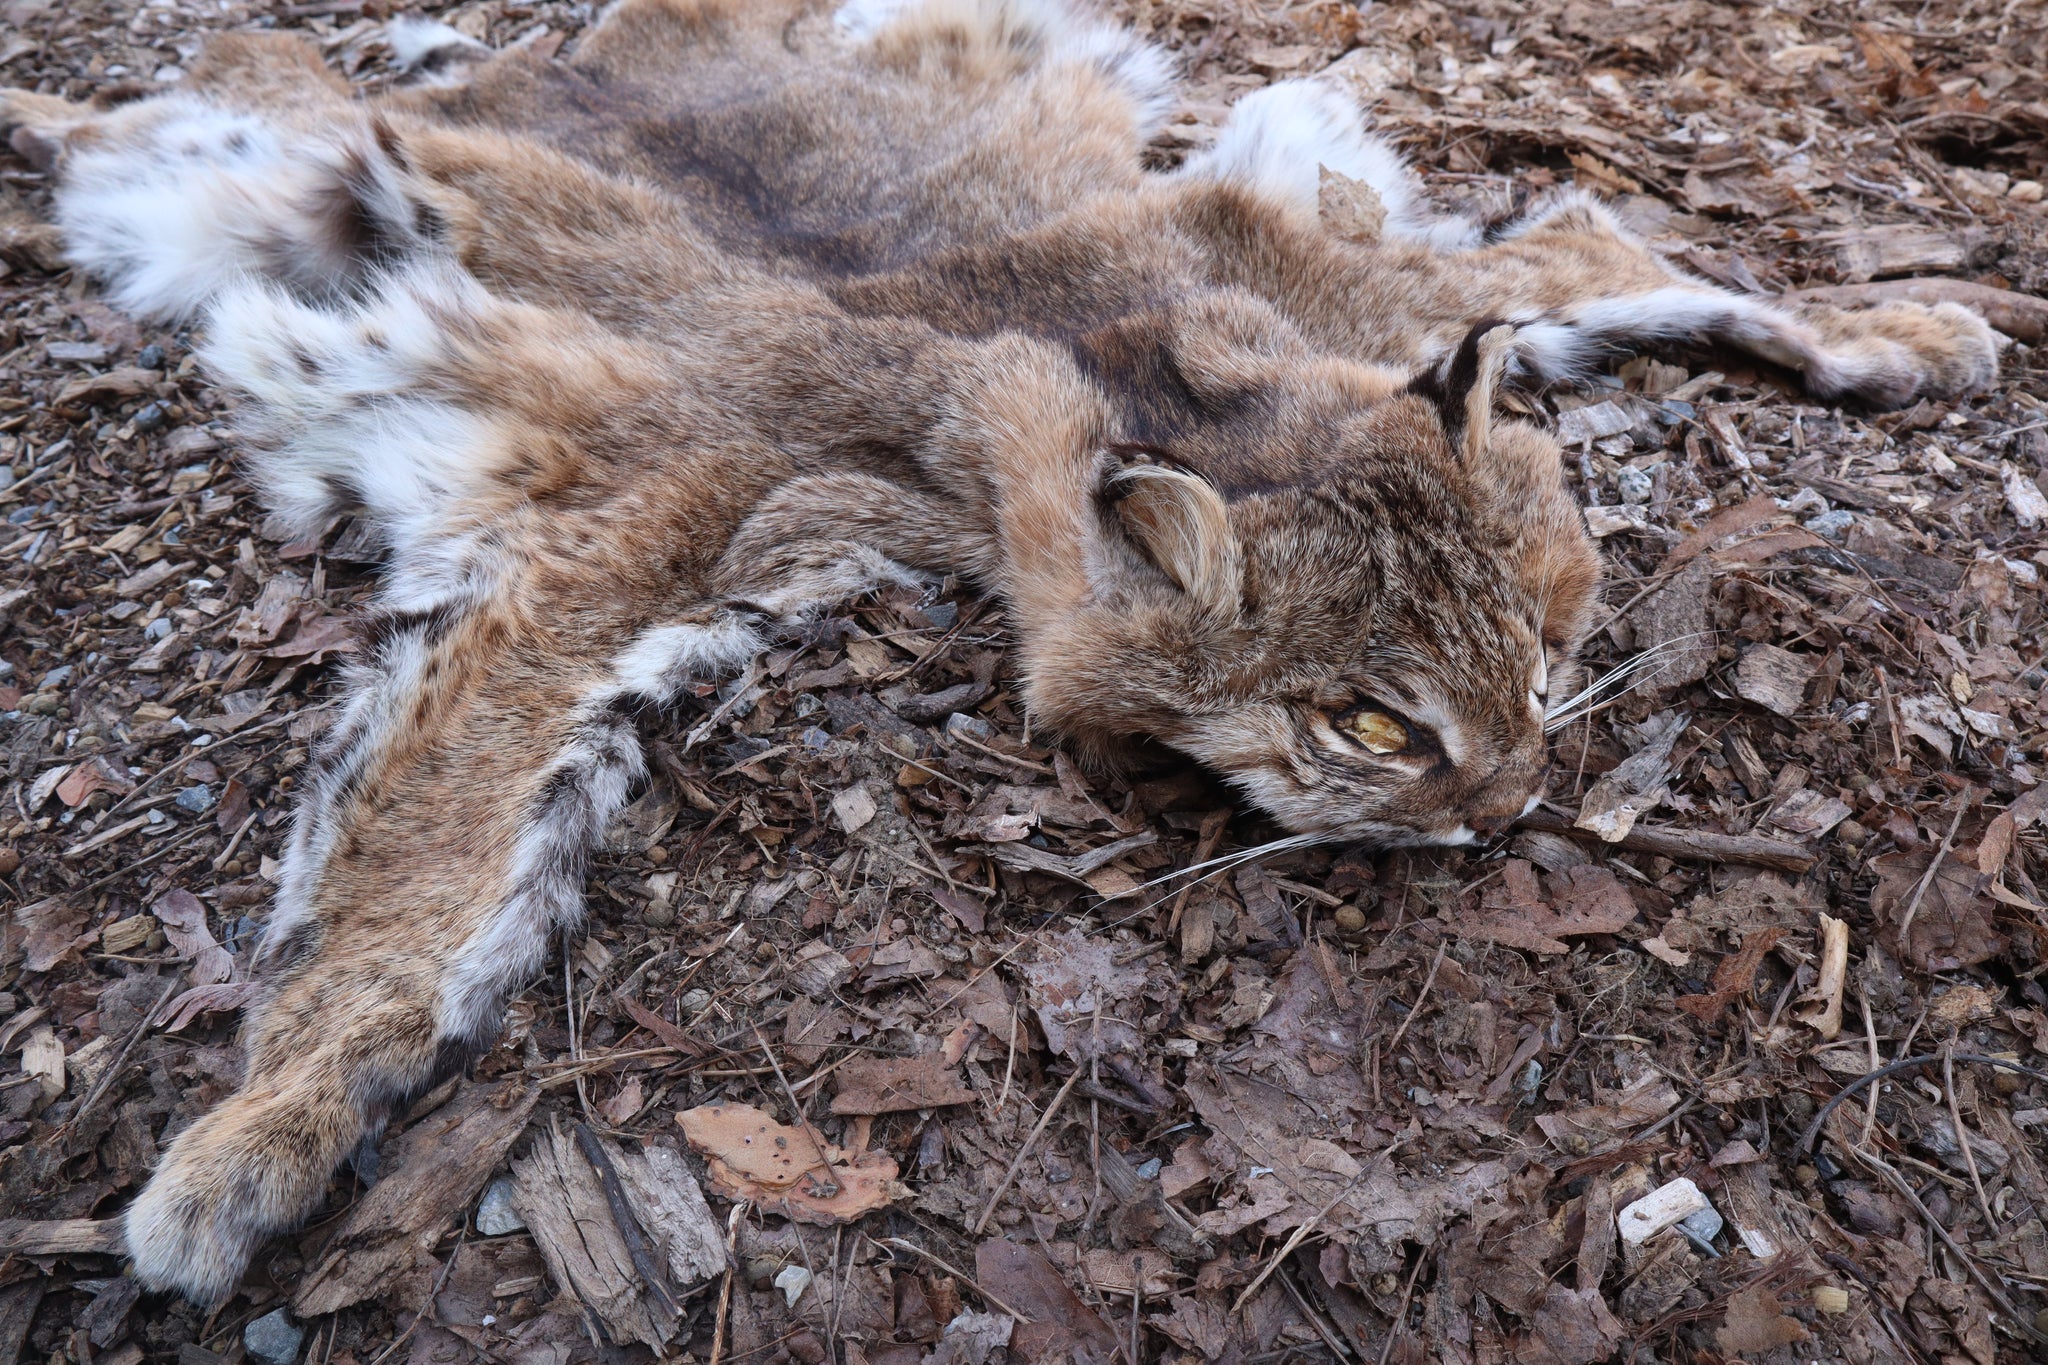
1178	521
1463	387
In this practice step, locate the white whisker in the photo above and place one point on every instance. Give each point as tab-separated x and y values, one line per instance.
1577	705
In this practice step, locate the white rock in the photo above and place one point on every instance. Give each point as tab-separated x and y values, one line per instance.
2023	495
792	1281
1660	1209
495	1215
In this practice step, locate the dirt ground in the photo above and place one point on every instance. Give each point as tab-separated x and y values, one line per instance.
1325	1104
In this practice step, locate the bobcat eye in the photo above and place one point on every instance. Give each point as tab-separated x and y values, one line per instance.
1376	731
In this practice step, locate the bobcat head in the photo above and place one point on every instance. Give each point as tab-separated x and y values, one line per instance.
1368	652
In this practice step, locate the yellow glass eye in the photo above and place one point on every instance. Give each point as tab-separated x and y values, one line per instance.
1379	732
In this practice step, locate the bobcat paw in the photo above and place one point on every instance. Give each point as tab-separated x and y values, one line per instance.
1891	355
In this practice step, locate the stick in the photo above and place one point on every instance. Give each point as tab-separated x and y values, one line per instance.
1427	982
1806	1138
1955	1114
1689	845
1927	877
630	1233
2020	1322
732	1235
1017	1162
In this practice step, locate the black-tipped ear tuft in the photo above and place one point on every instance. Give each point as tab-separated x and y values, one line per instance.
1461	388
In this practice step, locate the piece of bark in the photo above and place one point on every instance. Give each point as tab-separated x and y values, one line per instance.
60	1237
1687	845
670	1207
439	1165
2023	317
563	1202
1905	249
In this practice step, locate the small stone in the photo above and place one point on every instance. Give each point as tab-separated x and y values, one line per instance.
151	417
1635	486
694	1000
944	615
197	799
495	1215
157	629
1349	919
151	357
761	1272
792	1281
2025	192
274	1339
1831	525
658	916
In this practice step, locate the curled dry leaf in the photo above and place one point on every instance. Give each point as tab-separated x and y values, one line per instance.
184	921
792	1171
1732	977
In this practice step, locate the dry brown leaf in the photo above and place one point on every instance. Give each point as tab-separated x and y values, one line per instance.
1732	977
1516	913
1955	923
792	1171
93	775
890	1085
1756	1322
184	921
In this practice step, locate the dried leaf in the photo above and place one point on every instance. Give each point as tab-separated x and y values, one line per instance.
890	1085
1732	977
1757	1322
184	921
791	1171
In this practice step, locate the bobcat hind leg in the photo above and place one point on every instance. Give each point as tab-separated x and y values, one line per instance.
1580	286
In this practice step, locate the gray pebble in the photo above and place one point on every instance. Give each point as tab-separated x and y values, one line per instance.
151	417
151	357
495	1215
1635	486
197	799
157	629
56	677
274	1339
1832	525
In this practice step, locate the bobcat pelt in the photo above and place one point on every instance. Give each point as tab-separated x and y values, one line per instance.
637	358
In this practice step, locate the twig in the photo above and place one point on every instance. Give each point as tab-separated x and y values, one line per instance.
1690	845
1955	1114
1806	1139
2021	1322
106	1080
1017	1162
901	1245
797	1110
1401	1313
1300	1234
1416	1009
732	1235
432	1294
630	1232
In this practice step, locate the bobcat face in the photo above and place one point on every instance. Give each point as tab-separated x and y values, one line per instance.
1369	655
